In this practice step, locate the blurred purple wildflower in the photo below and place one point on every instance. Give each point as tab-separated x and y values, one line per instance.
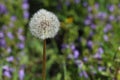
76	54
85	59
107	28
105	37
9	50
3	9
7	74
67	2
79	63
4	27
1	34
83	73
89	43
91	33
85	4
20	30
10	59
89	9
13	18
100	50
111	8
90	16
77	1
97	55
7	71
87	21
11	24
21	74
21	37
96	5
101	15
20	45
70	56
10	35
2	43
118	18
26	14
93	26
25	6
72	46
111	17
100	68
64	46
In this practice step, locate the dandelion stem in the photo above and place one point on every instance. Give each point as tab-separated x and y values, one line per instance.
44	61
64	68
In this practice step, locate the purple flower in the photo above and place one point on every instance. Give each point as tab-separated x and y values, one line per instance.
70	56
85	4
90	16
10	35
100	68
20	30
100	50
111	17
101	15
107	28
89	9
87	21
111	8
21	45
79	63
26	14
2	9
83	73
77	1
89	43
72	46
13	18
96	5
93	26
7	74
1	34
21	37
76	54
25	6
118	18
67	2
21	74
105	37
9	50
97	55
4	27
10	59
2	43
85	59
6	68
11	24
64	46
91	34
7	71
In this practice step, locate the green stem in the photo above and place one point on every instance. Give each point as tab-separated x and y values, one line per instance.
64	68
44	61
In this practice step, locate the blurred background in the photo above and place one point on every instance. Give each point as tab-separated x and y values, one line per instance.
87	46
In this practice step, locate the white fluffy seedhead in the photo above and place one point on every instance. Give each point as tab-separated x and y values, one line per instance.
44	24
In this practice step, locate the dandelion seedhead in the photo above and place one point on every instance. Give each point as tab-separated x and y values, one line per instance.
44	24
